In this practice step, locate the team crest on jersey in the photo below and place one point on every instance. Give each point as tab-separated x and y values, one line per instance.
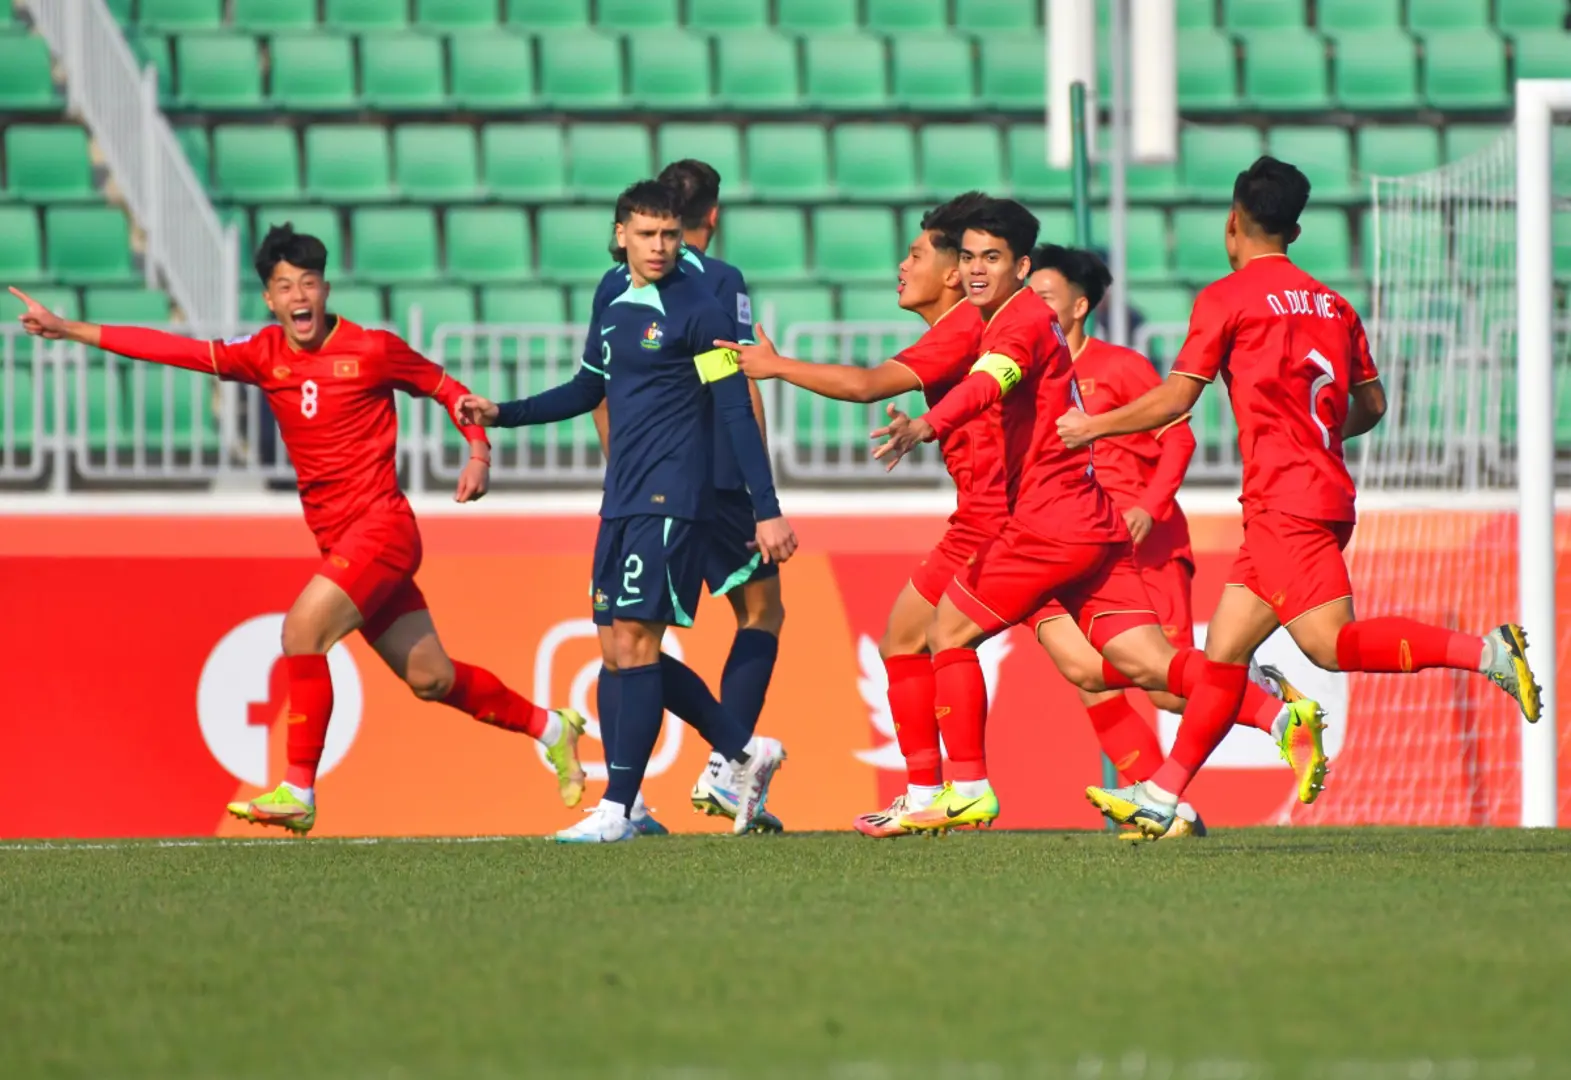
280	372
600	600
1087	387
653	336
346	369
744	308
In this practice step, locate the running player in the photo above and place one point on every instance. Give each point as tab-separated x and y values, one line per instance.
1301	379
650	356
330	384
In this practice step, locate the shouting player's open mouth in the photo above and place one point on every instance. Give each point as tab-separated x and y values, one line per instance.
303	319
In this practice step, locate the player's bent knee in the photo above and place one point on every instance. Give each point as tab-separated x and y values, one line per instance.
1161	699
301	638
431	681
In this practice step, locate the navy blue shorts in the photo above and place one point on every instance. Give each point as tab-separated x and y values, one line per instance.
728	562
648	568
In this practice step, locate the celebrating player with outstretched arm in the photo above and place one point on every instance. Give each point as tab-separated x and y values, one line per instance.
1301	379
330	383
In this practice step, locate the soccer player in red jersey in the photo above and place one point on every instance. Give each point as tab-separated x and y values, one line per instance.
330	384
1297	365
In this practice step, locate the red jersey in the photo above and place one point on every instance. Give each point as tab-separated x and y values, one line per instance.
1025	362
1144	469
974	451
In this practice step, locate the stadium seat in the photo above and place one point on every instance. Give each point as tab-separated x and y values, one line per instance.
769	242
255	162
1212	157
394	244
358	16
25	78
48	163
1285	71
706	15
446	16
140	307
1512	16
1337	17
1543	55
905	16
198	151
523	162
1030	176
181	14
124	12
1248	16
360	304
780	307
1196	14
854	243
1465	140
88	245
573	243
581	71
788	161
402	72
875	162
439	305
1145	239
1157	183
845	72
21	245
580	302
757	71
1464	70
1324	154
522	304
148	49
1325	246
987	16
668	69
347	163
318	221
602	159
492	72
816	16
1013	70
488	244
219	71
436	162
1396	151
1428	16
1169	304
1207	70
1376	70
1198	253
268	16
549	15
961	157
871	303
719	145
933	74
635	15
313	73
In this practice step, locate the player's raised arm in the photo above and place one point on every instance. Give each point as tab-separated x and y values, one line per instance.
842	382
991	377
154	346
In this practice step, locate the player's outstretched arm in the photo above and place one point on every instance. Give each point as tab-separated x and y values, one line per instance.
154	346
1156	408
1366	407
577	396
842	382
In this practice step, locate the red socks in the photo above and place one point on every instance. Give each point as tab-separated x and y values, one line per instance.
1113	679
1126	739
483	696
960	704
911	692
1213	707
1259	709
310	708
1395	644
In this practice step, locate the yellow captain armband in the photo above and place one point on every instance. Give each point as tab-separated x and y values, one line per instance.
1000	367
716	364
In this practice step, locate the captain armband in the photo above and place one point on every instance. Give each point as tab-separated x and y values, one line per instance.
1001	368
716	364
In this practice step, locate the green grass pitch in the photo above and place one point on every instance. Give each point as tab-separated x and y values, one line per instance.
1353	954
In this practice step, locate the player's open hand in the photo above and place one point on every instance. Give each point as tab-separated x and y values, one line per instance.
903	434
474	481
1139	522
37	319
775	540
476	410
1074	427
756	361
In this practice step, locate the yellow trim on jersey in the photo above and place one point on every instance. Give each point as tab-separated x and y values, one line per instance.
1191	375
212	357
716	364
1001	368
1366	382
1165	428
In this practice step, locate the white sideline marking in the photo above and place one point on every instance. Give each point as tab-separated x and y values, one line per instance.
269	841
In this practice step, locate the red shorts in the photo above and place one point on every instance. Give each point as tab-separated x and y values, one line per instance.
949	556
375	563
1167	591
1294	564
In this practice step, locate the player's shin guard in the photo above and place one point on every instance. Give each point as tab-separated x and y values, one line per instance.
1258	709
637	731
310	708
483	696
1213	708
911	693
688	697
1127	740
960	703
745	680
1395	644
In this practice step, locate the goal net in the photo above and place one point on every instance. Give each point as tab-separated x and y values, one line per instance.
1437	537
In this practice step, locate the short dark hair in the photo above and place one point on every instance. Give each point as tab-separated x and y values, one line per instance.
947	221
1008	220
697	185
1083	269
645	197
283	245
1272	194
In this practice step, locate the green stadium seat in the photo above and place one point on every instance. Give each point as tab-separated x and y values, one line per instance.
780	307
1207	70
318	221
705	15
1465	69
25	78
149	49
871	303
1145	239
635	15
668	69
1248	16
402	72
1169	304
816	16
1376	70
219	71
48	163
88	245
360	304
1156	183
1057	225
986	16
1285	71
447	16
21	245
347	163
789	161
573	243
135	307
961	157
1543	55
1013	71
853	243
181	14
1560	157
581	70
436	162
1428	16
905	16
549	15
313	73
602	159
1391	150
198	151
394	244
757	71
1196	14
487	244
524	162
771	242
358	16
439	305
1465	140
719	145
1512	16
1324	154
580	303
1325	246
254	162
124	11
933	74
539	305
1199	255
1212	157
1030	176
1337	17
269	16
492	72
875	162
845	73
